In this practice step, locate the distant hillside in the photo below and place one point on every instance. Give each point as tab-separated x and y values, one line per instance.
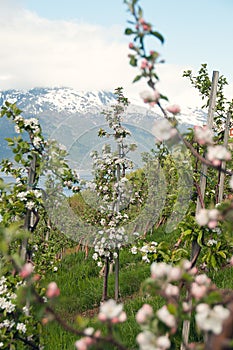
74	117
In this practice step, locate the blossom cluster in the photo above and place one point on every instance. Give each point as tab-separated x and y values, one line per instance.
163	130
111	313
12	319
208	217
211	319
159	326
32	126
147	250
107	241
215	153
30	198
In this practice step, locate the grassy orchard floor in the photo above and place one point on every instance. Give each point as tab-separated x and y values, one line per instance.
81	289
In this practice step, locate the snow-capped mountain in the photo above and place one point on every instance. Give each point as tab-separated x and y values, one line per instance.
74	118
40	100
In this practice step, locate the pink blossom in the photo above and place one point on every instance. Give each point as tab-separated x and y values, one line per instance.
160	270
164	315
171	290
203	279
150	96
163	342
111	311
208	217
186	306
142	21
26	270
144	64
216	154
146	27
52	290
85	342
163	130
121	318
203	135
143	314
212	224
175	274
81	344
198	291
131	45
186	265
174	109
193	271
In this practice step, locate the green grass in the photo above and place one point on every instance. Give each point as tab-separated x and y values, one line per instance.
81	290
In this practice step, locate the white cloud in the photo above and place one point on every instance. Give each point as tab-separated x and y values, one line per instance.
36	51
40	52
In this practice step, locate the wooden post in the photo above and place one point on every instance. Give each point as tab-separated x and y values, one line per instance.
195	246
117	208
28	217
210	119
221	174
105	281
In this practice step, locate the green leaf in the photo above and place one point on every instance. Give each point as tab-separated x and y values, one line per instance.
140	12
133	61
199	238
18	157
222	254
129	31
172	309
158	36
163	97
187	232
138	77
213	262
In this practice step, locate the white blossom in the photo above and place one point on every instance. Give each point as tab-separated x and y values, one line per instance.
110	309
210	320
166	317
95	256
163	130
6	305
22	195
203	135
30	205
17	129
37	141
163	342
147	340
212	242
134	250
21	327
207	217
217	153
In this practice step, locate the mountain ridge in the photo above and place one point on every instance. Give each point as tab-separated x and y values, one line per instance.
74	117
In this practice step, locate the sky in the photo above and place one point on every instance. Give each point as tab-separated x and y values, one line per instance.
81	44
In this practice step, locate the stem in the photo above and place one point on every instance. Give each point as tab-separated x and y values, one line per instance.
105	281
28	342
117	270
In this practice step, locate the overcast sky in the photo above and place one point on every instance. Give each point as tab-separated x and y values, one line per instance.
81	44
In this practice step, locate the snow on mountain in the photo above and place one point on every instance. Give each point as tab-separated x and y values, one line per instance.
67	100
73	118
38	100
